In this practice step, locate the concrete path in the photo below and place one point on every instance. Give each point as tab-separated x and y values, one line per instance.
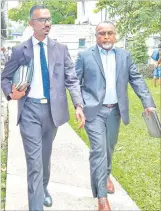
69	184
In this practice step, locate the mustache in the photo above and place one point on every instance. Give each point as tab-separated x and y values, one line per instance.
47	27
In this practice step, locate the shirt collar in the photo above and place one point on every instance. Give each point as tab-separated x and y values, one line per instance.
103	51
36	41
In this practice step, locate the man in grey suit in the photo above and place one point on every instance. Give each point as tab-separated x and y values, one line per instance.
42	108
104	72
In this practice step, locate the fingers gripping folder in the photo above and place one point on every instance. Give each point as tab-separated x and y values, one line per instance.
23	76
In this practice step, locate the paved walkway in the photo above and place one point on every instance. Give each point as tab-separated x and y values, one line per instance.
69	184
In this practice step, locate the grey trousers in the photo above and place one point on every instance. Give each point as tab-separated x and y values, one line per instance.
103	133
38	132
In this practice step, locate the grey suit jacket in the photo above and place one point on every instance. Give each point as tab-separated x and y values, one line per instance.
91	74
61	72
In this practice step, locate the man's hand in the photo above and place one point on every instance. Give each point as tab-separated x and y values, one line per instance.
16	95
148	110
80	116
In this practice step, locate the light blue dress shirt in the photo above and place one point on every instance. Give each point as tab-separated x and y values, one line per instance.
109	66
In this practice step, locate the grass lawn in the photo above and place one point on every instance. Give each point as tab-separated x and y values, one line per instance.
4	149
136	161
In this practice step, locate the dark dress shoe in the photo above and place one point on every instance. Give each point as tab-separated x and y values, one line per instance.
110	186
47	199
103	204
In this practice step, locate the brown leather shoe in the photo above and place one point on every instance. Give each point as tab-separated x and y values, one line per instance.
103	204
110	186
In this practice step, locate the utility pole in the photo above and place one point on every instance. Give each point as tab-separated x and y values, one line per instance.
4	19
83	7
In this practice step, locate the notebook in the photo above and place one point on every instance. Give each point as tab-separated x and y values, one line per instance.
153	124
23	76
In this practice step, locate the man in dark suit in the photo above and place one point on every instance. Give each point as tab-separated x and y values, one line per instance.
42	108
104	72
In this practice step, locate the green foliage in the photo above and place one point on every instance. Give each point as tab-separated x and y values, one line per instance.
136	160
62	11
138	49
147	71
138	19
134	15
4	149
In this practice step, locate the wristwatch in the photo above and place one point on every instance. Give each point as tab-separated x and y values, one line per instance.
79	105
9	98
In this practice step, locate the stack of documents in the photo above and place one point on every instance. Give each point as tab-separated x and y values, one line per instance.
23	76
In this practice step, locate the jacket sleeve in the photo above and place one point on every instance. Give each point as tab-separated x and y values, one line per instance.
138	84
8	72
71	80
79	68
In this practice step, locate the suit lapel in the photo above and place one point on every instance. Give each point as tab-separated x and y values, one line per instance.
28	50
51	56
97	57
118	62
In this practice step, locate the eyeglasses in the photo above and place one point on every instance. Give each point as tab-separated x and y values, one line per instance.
43	20
110	33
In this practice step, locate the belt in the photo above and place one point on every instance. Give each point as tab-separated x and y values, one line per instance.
110	105
37	100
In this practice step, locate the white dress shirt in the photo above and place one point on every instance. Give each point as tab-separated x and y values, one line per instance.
36	90
109	66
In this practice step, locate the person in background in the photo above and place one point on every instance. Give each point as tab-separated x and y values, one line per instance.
156	56
9	52
104	72
3	56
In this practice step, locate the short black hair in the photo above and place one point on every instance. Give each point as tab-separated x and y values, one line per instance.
108	22
36	7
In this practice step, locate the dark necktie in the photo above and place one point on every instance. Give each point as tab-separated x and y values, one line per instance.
45	73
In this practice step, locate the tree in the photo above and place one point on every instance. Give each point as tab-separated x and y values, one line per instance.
3	20
138	49
137	19
134	15
62	11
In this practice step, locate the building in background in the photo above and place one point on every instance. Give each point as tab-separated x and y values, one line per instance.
11	31
81	35
4	20
86	14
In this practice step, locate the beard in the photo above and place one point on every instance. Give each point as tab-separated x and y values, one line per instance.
107	46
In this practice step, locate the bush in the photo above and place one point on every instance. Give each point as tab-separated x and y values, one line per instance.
147	71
